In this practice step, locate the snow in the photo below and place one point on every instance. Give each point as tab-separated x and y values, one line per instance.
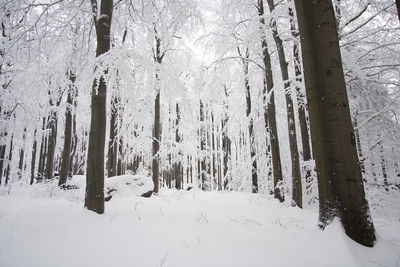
41	225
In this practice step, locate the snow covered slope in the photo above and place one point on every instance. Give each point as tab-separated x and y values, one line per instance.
176	228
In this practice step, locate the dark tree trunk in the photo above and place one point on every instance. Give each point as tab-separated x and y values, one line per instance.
120	161
254	177
202	165
301	102
22	156
74	138
94	199
178	168
270	113
33	160
226	150
297	194
383	167
51	146
156	144
341	189
358	145
10	153
67	134
113	142
42	150
157	124
2	156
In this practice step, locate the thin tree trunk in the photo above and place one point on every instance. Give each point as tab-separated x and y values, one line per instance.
113	142
10	153
270	113
94	198
341	189
67	134
297	193
384	167
254	175
178	168
158	57
202	165
33	160
301	102
42	150
51	146
2	157
22	156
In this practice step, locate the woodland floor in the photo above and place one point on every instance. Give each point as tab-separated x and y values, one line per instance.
42	226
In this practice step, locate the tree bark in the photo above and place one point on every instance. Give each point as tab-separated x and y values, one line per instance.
67	134
254	175
22	156
297	193
341	189
2	156
33	160
270	113
113	142
10	153
301	103
158	57
51	145
178	168
94	199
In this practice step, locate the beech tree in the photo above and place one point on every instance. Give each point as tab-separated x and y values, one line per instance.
94	199
340	184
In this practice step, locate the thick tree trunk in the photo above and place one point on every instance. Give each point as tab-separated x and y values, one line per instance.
67	135
33	159
341	189
94	199
270	113
297	194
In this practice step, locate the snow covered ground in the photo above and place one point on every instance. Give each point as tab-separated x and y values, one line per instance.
43	226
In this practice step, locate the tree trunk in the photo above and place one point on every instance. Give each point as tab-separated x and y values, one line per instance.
10	153
301	102
94	198
178	168
67	134
42	150
51	146
270	113
383	167
157	124
297	193
254	177
2	156
202	160
341	189
113	142
33	160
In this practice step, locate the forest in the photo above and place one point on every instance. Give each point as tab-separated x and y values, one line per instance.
199	133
